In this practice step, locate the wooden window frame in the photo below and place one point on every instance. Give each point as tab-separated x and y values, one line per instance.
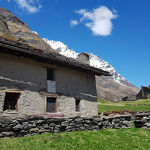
16	105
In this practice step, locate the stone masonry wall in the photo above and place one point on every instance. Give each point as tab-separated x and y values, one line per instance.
38	125
2	96
25	77
142	120
30	78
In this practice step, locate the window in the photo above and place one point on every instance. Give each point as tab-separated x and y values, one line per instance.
11	100
51	105
77	105
50	75
51	84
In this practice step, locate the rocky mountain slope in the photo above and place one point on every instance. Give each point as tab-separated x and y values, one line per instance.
111	88
12	28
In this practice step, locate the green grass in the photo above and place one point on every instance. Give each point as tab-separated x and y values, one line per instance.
106	139
104	106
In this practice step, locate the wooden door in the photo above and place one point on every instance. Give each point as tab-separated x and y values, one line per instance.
51	105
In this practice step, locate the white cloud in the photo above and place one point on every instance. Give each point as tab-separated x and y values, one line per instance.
98	20
81	11
73	23
32	6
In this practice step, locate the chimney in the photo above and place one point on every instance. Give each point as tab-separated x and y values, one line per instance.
84	58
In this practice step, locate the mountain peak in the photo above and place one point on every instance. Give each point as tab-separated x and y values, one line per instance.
61	48
56	44
8	16
14	29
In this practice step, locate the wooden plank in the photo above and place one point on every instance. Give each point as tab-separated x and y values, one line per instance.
48	94
12	91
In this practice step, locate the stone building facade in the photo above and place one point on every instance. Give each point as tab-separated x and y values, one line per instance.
36	82
144	93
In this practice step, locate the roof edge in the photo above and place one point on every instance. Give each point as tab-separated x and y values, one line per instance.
20	49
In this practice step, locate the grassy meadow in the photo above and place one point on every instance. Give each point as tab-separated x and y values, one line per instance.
106	139
104	106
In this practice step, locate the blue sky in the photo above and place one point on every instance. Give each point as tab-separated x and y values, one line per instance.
116	30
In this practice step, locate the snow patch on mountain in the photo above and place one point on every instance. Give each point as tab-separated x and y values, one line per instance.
95	61
62	48
34	32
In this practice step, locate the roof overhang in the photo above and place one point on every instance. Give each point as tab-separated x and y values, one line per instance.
19	49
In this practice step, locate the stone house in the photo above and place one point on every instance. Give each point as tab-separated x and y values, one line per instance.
34	81
144	93
129	98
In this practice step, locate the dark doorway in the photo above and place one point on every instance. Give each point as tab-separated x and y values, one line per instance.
11	101
77	105
51	105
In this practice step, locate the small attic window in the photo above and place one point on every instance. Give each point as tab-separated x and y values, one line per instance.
11	101
50	75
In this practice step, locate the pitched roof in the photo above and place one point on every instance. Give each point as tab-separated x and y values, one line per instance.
19	49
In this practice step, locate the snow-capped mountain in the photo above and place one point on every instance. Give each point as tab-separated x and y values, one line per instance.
62	48
95	61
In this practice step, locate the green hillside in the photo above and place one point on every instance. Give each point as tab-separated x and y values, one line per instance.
143	104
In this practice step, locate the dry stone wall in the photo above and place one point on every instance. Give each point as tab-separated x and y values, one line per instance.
142	120
38	125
